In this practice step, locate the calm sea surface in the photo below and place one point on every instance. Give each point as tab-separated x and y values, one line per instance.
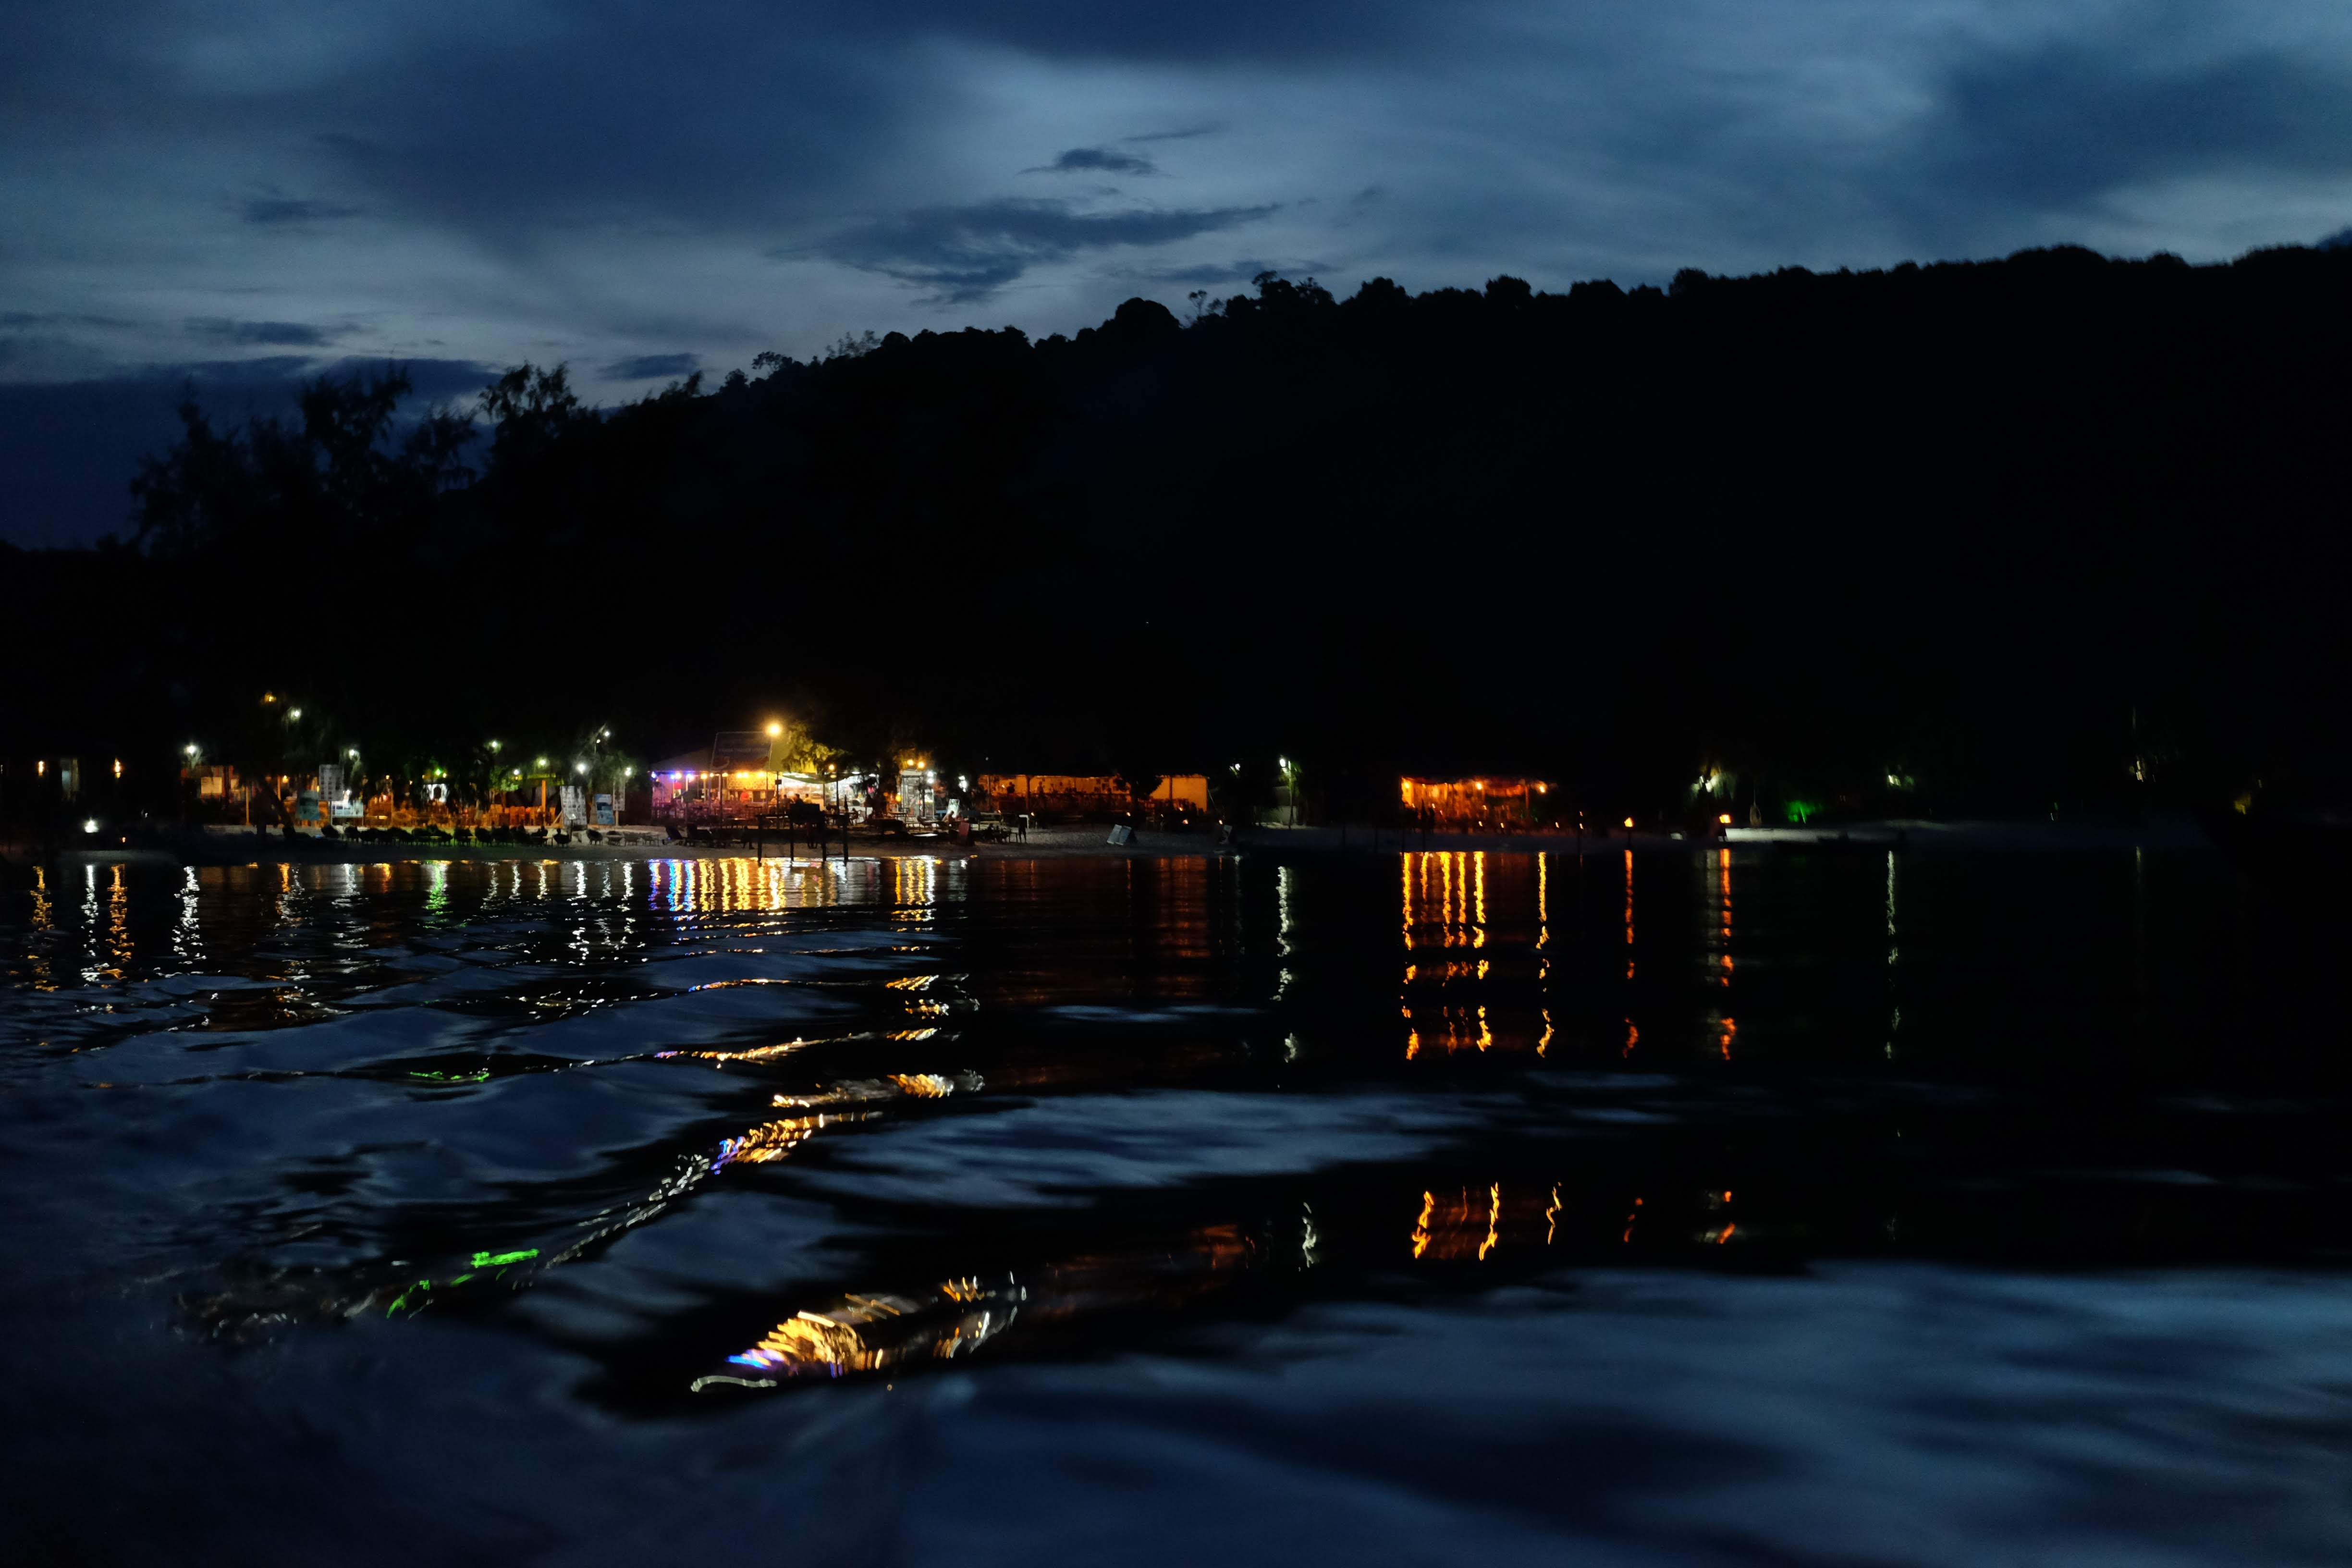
1755	1206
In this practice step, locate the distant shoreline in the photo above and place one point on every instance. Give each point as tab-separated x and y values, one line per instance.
1090	842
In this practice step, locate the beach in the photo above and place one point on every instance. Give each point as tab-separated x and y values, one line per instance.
1091	841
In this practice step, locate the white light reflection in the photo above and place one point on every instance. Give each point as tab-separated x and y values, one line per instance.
1282	886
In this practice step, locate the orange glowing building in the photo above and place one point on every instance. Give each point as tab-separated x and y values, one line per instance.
742	775
1490	801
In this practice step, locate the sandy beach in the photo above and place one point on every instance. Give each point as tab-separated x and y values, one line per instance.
1091	841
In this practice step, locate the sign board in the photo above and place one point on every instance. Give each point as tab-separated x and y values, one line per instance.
331	780
575	806
604	817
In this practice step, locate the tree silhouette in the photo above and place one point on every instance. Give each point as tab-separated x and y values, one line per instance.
1967	516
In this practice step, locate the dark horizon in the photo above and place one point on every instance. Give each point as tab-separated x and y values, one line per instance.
2055	529
62	442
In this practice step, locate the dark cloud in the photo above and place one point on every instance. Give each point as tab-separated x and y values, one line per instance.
269	334
2056	128
18	319
68	452
652	367
1210	272
763	120
295	209
433	380
1096	160
530	180
1184	134
69	449
969	252
519	126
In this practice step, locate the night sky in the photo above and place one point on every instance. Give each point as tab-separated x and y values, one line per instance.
246	191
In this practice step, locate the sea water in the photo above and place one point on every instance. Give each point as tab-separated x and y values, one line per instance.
1745	1204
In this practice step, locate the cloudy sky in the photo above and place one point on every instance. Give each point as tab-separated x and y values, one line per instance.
247	189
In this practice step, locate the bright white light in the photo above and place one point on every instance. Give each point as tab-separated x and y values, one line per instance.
579	767
190	748
91	825
293	712
628	773
354	753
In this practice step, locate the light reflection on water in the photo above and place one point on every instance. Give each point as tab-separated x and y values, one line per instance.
702	1131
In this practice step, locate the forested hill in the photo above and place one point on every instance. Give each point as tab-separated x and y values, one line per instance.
1977	525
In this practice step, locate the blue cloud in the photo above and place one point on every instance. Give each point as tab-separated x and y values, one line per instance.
270	334
294	209
69	449
967	253
1212	272
1104	160
2058	128
652	367
1184	133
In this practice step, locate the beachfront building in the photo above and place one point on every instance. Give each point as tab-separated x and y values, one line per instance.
741	775
1477	802
1091	794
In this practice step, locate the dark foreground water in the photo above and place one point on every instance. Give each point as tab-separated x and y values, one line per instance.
1759	1207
